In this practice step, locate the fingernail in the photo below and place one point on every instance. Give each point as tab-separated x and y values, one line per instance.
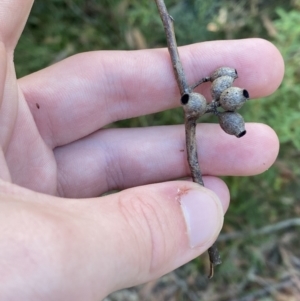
203	215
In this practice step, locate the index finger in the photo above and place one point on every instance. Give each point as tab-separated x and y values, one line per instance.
85	92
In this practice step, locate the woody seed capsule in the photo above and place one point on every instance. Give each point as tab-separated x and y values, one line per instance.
233	98
232	123
219	85
222	72
194	105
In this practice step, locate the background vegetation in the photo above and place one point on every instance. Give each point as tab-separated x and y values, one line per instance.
257	267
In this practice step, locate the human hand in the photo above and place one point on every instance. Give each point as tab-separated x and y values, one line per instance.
59	241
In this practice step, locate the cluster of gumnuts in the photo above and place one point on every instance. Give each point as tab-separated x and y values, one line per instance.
229	98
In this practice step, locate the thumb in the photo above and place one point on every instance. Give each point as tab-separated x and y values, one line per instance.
146	232
86	249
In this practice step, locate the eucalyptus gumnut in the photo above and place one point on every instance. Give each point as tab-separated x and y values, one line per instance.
232	123
224	71
219	85
233	98
194	105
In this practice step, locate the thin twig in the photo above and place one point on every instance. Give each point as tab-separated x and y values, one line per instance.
190	134
212	107
201	81
294	222
267	290
190	123
167	21
293	271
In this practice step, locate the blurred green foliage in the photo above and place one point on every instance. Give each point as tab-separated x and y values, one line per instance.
59	28
285	118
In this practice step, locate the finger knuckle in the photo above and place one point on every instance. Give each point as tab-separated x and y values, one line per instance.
144	216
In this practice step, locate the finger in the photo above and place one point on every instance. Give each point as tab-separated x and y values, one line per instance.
85	92
13	16
121	158
4	171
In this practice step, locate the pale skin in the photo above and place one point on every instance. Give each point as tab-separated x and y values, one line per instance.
58	239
